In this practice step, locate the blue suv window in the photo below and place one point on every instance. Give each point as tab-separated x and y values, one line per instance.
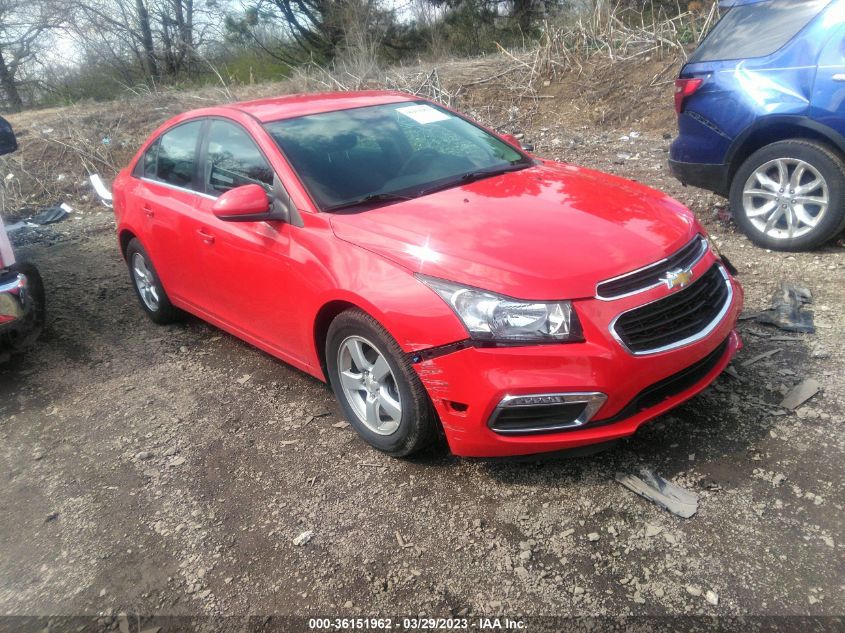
757	30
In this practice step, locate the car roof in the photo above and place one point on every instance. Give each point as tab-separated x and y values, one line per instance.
289	106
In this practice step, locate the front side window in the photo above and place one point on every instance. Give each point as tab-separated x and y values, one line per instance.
177	154
401	149
150	158
757	30
233	159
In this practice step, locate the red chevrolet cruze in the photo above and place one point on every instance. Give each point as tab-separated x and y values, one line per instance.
436	275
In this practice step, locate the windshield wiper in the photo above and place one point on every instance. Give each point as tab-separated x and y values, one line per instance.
372	197
472	176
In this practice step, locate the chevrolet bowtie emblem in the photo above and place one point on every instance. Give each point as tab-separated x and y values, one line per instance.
677	278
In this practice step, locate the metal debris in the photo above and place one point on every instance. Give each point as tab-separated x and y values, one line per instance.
787	309
303	538
800	393
667	495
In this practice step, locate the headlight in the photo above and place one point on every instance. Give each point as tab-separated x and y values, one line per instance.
491	317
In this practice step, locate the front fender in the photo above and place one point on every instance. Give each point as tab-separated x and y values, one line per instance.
413	314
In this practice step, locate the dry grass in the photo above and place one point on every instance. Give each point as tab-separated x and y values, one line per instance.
61	147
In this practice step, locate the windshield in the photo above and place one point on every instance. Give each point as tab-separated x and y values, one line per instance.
385	152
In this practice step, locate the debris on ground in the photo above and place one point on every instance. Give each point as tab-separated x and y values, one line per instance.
48	215
100	189
51	215
303	538
787	311
667	495
760	357
800	393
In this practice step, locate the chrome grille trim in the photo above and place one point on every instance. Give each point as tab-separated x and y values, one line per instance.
659	267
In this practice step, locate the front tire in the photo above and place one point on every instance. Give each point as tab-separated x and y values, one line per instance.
790	195
29	328
151	295
376	386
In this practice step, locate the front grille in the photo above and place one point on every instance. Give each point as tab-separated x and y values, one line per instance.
678	319
673	385
652	276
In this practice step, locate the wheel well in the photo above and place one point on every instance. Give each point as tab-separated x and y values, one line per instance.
125	237
324	319
772	134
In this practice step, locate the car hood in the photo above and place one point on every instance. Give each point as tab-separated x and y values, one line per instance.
552	231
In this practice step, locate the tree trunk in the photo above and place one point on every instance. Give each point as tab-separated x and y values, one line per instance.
522	13
7	82
147	38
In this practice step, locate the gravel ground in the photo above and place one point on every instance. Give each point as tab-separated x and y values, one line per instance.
170	470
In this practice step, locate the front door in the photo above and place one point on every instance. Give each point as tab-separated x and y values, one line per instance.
247	264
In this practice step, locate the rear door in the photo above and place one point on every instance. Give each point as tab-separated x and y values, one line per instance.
169	196
829	91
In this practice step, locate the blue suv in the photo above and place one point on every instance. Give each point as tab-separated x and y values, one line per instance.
761	118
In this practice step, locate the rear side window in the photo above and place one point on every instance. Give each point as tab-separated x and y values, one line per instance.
757	30
233	159
177	154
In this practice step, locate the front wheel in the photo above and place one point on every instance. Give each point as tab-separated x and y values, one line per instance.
790	195
376	387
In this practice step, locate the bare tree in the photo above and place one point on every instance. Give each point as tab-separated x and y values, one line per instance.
158	37
24	25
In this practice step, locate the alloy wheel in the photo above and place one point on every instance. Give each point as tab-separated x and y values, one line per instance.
144	282
369	385
785	198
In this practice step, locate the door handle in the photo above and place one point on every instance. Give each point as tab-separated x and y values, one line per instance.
148	212
207	238
839	77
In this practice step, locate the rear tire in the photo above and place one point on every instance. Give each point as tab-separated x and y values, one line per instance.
151	295
376	386
790	195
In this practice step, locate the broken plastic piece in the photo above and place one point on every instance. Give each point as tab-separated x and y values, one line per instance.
51	215
667	495
787	309
800	393
101	190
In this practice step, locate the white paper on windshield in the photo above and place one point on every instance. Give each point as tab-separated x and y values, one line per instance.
423	114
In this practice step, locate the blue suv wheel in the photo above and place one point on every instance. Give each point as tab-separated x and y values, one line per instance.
789	195
761	119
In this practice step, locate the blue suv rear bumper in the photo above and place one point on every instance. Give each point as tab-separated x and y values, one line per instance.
713	177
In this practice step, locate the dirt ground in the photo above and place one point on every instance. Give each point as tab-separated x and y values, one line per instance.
168	470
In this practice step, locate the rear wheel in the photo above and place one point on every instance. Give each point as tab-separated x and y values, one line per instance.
147	285
790	195
376	386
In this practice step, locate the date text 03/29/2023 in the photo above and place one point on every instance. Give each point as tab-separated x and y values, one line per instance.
417	624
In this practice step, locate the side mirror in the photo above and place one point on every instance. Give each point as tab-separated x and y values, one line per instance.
8	142
526	147
248	203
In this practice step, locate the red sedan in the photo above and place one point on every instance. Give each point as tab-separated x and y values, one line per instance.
441	279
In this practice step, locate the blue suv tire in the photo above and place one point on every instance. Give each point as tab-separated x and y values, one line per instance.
790	195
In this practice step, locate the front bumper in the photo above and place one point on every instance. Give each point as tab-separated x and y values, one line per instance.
15	301
467	386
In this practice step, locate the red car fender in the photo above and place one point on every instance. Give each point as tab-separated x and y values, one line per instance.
354	277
